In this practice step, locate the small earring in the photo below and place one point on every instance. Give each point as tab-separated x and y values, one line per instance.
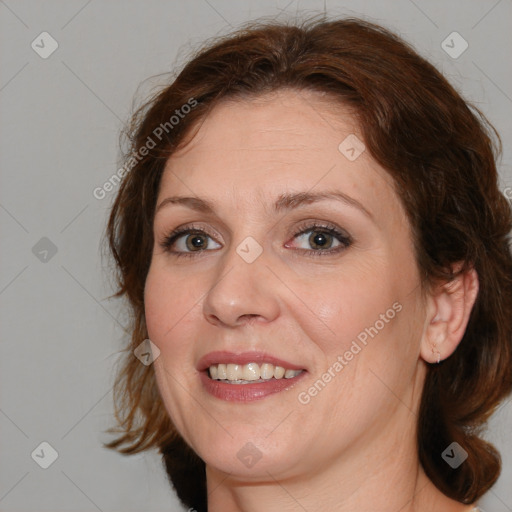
436	353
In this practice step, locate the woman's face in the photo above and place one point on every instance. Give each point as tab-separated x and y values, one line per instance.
299	257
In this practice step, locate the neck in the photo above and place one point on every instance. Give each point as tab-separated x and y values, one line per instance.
374	489
365	477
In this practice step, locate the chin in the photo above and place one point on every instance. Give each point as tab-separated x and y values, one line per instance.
247	456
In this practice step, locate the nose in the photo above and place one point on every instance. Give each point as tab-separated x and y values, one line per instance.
242	292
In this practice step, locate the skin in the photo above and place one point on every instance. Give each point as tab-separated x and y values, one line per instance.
352	446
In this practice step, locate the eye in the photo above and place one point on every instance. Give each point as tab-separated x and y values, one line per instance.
185	241
320	240
323	240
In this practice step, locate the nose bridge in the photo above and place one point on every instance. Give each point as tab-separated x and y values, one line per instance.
244	286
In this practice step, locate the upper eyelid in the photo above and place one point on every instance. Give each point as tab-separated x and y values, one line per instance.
303	228
187	228
319	209
292	228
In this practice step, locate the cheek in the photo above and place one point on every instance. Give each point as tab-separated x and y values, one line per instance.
346	305
169	305
365	315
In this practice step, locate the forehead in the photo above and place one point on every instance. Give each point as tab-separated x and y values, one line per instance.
284	141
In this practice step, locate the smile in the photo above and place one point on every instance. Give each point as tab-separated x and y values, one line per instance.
248	376
250	373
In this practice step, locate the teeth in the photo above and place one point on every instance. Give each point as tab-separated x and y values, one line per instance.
233	372
221	372
247	373
251	371
266	371
279	372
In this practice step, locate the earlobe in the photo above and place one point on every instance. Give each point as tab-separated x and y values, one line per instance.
449	308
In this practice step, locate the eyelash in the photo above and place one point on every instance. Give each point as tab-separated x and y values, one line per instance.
344	239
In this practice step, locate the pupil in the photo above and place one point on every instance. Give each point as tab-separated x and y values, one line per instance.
195	242
320	240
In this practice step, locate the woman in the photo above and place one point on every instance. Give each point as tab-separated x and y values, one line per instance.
312	237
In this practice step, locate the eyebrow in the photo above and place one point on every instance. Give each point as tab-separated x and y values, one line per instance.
286	201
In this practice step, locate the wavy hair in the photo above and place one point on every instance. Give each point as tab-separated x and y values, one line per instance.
441	154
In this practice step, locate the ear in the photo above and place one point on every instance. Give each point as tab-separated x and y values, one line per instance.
449	306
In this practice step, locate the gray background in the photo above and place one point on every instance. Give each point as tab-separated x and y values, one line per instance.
60	120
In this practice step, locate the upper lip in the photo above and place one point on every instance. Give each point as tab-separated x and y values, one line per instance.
241	358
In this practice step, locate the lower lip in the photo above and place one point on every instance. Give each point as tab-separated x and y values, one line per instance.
246	392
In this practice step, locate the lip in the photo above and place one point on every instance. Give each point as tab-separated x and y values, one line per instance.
244	393
243	358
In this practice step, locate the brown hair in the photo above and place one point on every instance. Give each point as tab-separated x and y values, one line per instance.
441	156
